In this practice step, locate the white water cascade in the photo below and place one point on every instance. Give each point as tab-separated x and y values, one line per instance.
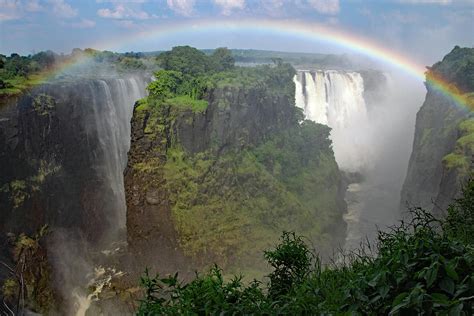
112	110
375	143
108	129
335	98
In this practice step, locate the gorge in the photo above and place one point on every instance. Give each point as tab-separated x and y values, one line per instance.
180	179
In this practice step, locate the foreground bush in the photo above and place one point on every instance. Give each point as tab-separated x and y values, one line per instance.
424	266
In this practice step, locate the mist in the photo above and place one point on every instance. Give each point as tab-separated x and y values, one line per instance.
374	204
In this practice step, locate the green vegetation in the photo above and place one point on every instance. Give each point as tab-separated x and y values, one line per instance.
235	204
19	73
43	104
20	190
191	61
461	158
186	102
231	196
229	208
424	266
29	282
272	78
457	68
186	75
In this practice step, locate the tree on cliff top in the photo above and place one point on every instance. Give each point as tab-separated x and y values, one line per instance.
222	59
457	67
185	59
191	61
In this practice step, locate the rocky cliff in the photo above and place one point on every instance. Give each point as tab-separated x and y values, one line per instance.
61	145
220	182
63	148
442	156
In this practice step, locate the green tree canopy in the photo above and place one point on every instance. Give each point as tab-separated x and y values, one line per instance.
185	59
222	59
166	84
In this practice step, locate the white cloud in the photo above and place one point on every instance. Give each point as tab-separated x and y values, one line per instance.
227	6
9	10
63	9
183	7
128	24
325	6
110	14
273	8
33	6
8	4
83	24
15	9
122	12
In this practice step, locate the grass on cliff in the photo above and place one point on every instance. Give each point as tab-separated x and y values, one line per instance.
186	102
229	205
228	208
423	266
461	158
16	85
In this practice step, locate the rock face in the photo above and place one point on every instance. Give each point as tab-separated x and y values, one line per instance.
441	159
214	186
234	118
435	137
63	148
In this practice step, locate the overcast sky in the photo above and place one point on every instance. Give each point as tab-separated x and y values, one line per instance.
423	29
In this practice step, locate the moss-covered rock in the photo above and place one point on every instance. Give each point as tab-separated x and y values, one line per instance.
442	156
218	184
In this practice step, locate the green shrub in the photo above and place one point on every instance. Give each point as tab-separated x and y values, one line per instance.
424	266
291	261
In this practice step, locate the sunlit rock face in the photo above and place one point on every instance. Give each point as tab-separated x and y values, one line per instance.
63	150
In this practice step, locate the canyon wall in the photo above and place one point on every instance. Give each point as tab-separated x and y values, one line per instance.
442	156
221	182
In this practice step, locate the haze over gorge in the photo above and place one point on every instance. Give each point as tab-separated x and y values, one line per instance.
236	157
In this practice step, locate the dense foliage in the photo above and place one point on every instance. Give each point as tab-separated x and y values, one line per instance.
460	158
232	196
18	73
457	68
424	266
187	72
28	284
191	61
230	207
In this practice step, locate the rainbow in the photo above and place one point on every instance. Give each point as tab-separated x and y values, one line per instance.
305	30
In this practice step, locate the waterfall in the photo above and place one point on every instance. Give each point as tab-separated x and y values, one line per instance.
107	124
372	125
336	99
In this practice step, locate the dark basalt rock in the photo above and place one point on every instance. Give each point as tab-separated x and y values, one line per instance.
55	157
430	183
